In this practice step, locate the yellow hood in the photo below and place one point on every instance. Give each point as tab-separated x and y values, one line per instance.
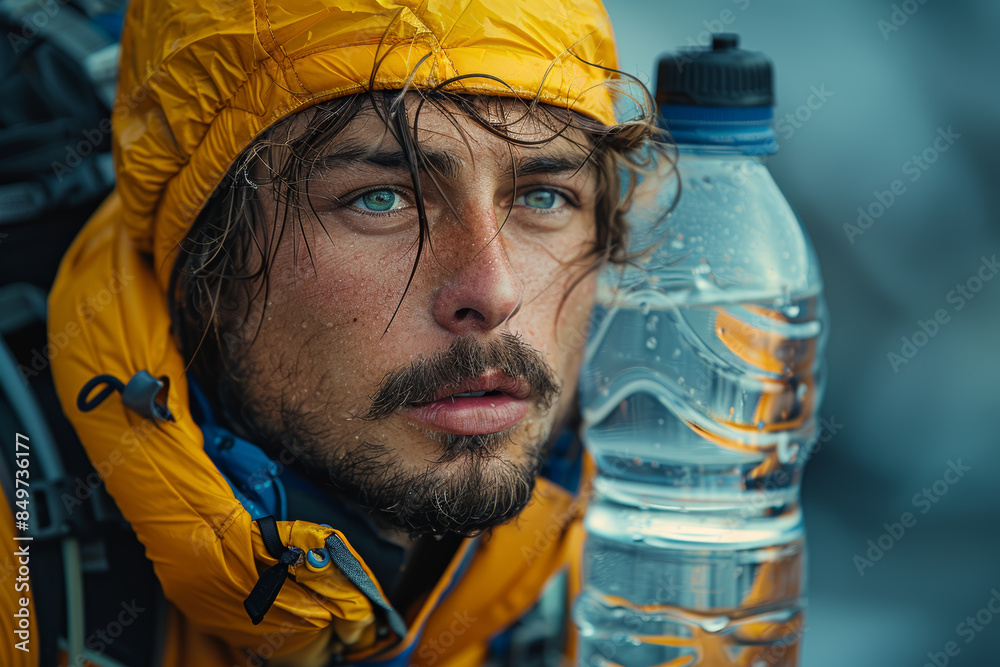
199	80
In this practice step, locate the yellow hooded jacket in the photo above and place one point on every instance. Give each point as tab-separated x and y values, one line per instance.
198	81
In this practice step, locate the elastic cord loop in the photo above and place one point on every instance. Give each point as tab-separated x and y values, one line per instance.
114	384
144	394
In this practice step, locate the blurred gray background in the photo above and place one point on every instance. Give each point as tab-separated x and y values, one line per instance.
888	89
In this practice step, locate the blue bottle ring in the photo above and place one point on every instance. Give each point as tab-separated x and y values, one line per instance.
317	560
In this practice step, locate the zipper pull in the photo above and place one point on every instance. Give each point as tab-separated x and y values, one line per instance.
266	590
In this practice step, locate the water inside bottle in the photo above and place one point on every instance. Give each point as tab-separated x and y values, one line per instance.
699	413
707	393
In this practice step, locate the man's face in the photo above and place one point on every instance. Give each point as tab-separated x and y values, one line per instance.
393	416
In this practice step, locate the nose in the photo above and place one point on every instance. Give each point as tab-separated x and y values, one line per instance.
483	291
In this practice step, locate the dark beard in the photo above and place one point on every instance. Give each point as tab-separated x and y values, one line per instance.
484	490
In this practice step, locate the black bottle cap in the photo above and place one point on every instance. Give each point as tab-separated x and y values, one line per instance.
721	76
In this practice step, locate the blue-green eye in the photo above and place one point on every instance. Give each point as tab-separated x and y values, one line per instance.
543	199
378	201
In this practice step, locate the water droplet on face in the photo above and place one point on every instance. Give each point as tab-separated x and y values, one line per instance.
651	343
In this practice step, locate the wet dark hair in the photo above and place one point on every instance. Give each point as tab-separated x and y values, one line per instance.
225	260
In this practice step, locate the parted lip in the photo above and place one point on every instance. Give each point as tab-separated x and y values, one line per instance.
491	381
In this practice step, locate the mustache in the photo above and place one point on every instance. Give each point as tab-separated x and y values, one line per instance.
466	358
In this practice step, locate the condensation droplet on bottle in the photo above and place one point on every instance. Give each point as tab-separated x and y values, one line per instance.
651	343
677	352
645	307
785	450
760	425
715	624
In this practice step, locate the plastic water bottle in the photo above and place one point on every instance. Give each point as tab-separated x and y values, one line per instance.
702	380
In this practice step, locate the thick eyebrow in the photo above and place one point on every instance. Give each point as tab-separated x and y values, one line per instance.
440	161
445	163
551	164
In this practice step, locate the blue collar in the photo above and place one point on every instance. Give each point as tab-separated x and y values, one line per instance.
253	477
